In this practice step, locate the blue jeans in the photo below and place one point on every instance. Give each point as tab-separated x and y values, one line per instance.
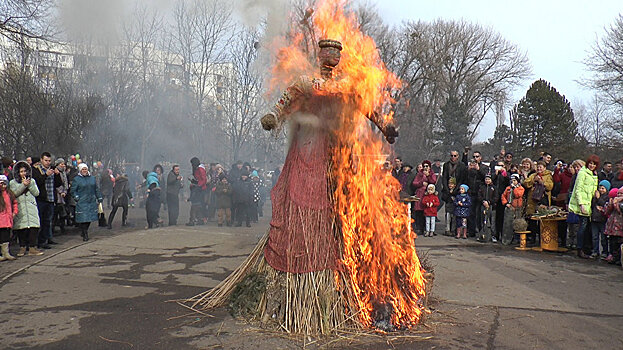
46	215
582	227
597	229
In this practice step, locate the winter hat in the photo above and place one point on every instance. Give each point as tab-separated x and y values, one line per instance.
254	173
82	166
613	193
4	179
620	191
515	176
452	181
221	177
58	161
465	187
429	187
606	184
488	176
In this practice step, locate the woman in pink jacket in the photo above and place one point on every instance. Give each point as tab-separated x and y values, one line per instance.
8	209
421	181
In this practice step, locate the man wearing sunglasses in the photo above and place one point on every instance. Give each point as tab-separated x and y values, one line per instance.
453	168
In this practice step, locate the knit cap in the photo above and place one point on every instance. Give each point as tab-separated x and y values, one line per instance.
254	173
606	184
59	161
465	187
620	191
430	186
613	193
4	179
515	176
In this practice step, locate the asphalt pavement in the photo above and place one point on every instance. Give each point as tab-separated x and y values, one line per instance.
117	291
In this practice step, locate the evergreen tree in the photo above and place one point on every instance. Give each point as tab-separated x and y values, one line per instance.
454	128
543	121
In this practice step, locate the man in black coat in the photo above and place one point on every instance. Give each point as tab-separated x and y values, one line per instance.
174	184
453	168
243	199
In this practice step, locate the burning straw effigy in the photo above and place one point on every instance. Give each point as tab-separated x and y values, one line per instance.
339	253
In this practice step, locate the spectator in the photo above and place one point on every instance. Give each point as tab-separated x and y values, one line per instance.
501	181
420	183
60	209
87	195
153	201
606	172
198	187
47	180
436	167
453	169
614	225
430	202
406	178
213	174
223	201
487	197
243	199
397	167
547	158
527	169
573	221
598	219
26	223
107	182
462	206
539	186
617	178
121	197
448	197
563	175
580	203
159	170
475	179
174	185
512	199
8	210
508	160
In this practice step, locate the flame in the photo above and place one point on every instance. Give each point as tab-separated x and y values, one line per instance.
378	250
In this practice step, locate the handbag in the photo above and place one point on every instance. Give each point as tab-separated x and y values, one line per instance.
101	216
538	192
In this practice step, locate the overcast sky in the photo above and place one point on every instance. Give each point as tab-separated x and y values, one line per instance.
556	34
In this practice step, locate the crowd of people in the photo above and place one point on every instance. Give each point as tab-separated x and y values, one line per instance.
39	194
491	201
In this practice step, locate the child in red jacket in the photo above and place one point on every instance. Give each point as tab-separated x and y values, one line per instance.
8	210
430	202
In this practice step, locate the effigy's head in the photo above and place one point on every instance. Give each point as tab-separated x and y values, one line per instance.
329	55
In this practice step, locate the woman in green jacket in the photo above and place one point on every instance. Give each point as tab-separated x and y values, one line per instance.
582	196
26	222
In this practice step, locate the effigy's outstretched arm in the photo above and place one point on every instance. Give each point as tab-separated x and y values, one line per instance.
388	129
286	103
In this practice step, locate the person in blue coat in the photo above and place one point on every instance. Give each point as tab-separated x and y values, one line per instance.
87	195
462	209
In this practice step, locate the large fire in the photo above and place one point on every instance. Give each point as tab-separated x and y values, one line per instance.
378	250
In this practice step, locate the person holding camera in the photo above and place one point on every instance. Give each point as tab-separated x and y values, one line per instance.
47	179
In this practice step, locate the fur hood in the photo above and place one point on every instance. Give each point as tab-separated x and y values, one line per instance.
17	167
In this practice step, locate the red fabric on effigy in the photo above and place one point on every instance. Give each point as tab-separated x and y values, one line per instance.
302	236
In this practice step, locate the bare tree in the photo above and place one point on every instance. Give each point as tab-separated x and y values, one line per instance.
27	18
240	98
457	61
606	63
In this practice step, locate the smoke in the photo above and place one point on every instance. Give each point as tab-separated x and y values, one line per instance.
94	20
271	13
